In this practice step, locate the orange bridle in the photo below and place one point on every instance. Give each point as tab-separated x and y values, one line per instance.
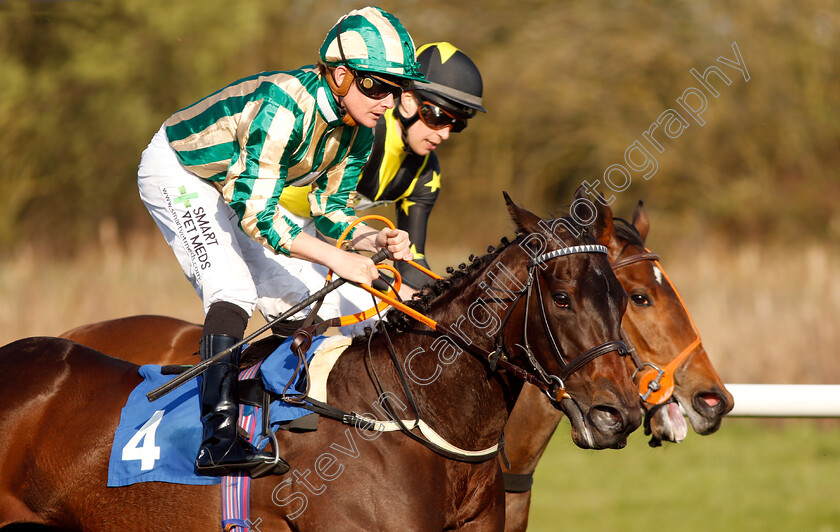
656	385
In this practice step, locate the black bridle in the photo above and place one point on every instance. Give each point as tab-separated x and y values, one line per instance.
549	383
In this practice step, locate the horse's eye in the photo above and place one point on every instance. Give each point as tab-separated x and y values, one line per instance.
562	300
640	300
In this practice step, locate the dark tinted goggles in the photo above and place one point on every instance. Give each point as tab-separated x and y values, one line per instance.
376	87
436	117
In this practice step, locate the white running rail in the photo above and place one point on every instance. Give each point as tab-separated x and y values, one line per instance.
785	400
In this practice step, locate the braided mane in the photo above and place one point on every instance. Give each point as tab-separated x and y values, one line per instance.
422	300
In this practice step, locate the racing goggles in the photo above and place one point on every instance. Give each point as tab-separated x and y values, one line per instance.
436	117
377	88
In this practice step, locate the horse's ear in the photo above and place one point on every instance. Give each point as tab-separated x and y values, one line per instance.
526	221
604	227
640	220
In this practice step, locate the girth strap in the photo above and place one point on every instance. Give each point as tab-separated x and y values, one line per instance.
253	392
430	439
337	414
518	482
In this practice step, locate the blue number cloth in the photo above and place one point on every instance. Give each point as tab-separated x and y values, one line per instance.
158	441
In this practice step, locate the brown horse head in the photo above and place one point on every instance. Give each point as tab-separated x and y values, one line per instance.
658	325
571	326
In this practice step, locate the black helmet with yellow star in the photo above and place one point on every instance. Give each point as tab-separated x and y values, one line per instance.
452	79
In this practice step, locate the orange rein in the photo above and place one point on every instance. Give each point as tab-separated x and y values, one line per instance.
422	318
386	298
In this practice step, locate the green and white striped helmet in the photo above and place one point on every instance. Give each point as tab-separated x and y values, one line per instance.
372	40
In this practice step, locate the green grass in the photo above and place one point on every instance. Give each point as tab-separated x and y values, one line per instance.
749	476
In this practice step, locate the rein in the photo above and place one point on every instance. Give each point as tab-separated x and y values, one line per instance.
656	385
551	385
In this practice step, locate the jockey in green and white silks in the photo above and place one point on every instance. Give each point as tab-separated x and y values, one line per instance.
212	177
240	183
249	141
264	133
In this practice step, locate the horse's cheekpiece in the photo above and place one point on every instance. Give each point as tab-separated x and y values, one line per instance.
555	383
158	441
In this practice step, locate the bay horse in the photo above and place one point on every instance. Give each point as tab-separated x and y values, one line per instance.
61	402
658	325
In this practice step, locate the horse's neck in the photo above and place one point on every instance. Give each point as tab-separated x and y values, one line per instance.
454	391
461	398
529	429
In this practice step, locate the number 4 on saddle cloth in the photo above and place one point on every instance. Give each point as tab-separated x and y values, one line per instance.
158	441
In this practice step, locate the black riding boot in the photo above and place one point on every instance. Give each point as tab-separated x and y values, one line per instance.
222	450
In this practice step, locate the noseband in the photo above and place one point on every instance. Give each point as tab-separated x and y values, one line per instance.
657	385
552	384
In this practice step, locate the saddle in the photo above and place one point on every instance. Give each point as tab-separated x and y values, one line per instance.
252	391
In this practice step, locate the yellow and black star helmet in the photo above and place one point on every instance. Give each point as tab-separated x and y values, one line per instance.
452	79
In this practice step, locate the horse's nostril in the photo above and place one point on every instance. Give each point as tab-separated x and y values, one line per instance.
709	402
711	399
606	418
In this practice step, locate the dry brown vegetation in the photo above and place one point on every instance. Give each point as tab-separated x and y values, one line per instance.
766	315
569	86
